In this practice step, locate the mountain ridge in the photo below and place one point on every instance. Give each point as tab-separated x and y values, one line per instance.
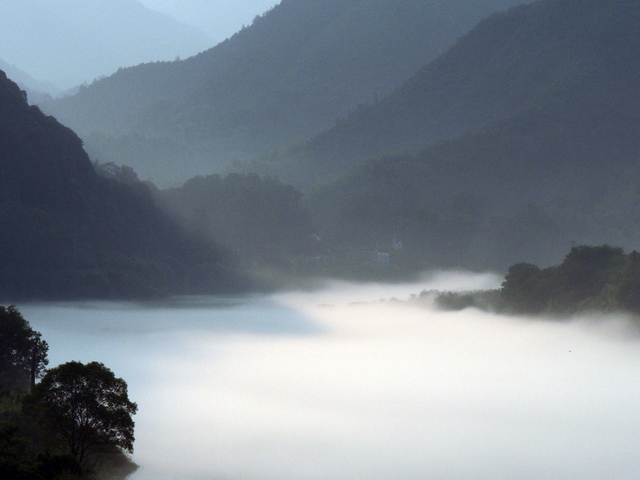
555	167
481	80
286	77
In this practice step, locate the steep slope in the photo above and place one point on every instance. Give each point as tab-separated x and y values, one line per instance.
286	77
69	42
68	233
549	55
552	158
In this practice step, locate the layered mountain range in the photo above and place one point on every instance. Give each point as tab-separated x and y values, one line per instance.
518	142
292	73
550	58
513	143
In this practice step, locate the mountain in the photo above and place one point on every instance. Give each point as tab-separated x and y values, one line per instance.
69	233
68	42
532	128
544	57
290	75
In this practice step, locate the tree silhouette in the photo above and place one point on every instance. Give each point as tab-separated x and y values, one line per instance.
85	405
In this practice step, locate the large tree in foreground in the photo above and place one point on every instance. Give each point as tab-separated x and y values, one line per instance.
85	405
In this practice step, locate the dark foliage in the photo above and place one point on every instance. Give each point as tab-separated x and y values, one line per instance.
85	406
601	278
596	278
69	233
75	423
455	301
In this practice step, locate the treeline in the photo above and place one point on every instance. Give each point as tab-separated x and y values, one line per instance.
76	422
591	278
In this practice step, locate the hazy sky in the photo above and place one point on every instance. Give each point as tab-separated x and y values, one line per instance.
68	42
218	18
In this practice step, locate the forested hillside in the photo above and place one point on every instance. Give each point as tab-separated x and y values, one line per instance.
544	99
69	233
547	58
292	73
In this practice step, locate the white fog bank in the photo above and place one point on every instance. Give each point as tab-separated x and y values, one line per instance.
335	384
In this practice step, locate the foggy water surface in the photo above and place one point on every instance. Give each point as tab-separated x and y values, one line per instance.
336	384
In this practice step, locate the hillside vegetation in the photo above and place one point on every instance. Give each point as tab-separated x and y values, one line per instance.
548	58
519	141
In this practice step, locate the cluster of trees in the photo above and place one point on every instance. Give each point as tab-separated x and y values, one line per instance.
76	422
589	278
598	278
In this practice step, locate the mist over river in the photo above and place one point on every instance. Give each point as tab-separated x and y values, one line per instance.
336	384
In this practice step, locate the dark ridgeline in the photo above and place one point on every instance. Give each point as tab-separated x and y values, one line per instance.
551	58
68	233
288	76
519	140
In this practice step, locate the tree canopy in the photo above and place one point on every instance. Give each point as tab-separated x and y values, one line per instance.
590	277
86	406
